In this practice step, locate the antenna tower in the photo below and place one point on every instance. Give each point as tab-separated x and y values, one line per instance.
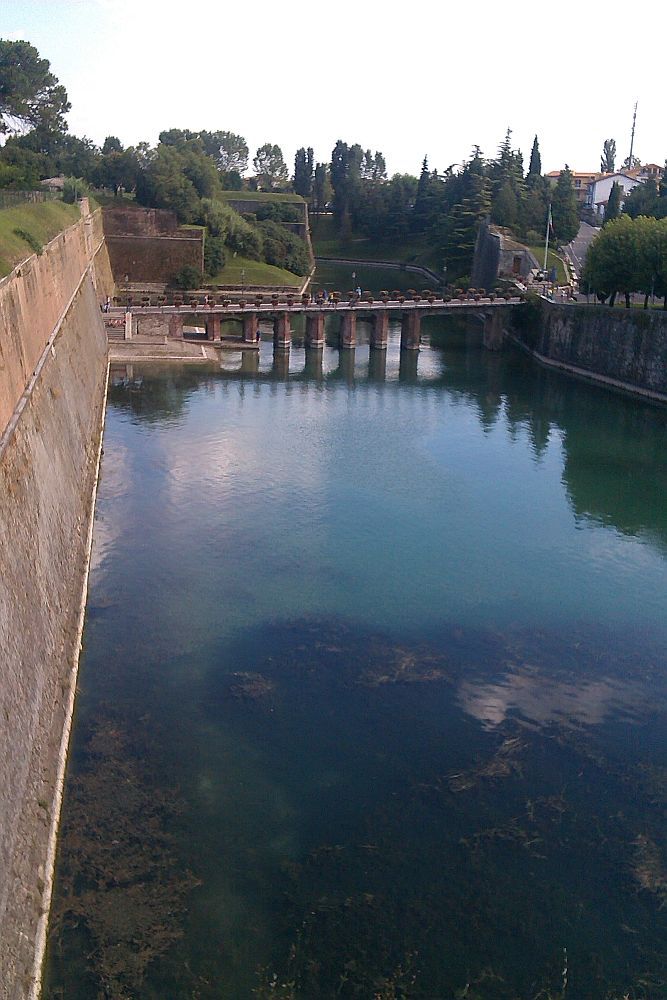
632	136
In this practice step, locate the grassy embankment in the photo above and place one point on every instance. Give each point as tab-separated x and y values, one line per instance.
41	222
259	196
327	243
255	272
553	260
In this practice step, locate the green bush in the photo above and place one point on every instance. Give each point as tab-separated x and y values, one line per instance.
187	278
214	254
73	189
31	240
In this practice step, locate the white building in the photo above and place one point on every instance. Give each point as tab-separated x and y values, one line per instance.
600	189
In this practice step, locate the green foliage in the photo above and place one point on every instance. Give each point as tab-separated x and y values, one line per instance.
30	94
629	255
279	211
269	165
645	199
613	209
564	209
214	254
608	158
282	248
31	240
321	187
229	151
535	166
73	189
163	184
303	172
111	144
188	278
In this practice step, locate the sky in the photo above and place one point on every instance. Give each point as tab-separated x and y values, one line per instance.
431	80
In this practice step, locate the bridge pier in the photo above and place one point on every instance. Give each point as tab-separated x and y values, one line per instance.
213	327
410	331
280	366
282	331
407	366
250	362
348	329
176	327
380	330
314	367
250	327
377	366
494	332
315	330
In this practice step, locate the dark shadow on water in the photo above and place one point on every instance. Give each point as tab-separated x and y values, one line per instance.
372	817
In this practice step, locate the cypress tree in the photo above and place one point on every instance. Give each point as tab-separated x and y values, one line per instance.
613	209
535	166
564	211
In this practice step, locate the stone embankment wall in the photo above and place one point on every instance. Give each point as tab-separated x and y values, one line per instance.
147	244
624	349
53	358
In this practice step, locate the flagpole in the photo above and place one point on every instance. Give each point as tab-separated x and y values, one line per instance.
546	238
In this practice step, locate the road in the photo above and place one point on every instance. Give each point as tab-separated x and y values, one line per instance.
578	248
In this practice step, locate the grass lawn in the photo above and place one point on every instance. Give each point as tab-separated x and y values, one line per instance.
327	243
42	221
553	260
259	196
256	272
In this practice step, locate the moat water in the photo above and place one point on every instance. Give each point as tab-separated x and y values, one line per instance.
372	700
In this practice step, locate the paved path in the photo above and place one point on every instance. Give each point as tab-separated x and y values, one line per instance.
578	248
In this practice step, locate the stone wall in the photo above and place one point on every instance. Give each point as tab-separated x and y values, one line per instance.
54	368
147	244
33	298
626	349
153	258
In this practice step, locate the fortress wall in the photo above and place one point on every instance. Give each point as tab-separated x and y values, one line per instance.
52	388
622	348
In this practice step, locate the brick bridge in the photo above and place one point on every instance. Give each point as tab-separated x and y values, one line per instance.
169	321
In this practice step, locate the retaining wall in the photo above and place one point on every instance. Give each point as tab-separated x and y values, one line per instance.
53	370
624	349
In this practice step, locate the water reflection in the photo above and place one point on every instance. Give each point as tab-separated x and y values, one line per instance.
392	661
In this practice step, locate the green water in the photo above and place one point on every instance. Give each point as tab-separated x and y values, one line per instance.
372	701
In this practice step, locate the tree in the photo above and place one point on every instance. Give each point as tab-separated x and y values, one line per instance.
535	166
30	94
608	158
631	162
422	209
564	212
230	151
613	208
269	165
111	144
644	200
321	187
612	262
345	172
303	172
505	207
163	184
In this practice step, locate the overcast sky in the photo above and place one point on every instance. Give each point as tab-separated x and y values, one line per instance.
432	78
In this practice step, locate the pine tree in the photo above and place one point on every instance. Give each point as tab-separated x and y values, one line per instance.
564	208
535	167
420	211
